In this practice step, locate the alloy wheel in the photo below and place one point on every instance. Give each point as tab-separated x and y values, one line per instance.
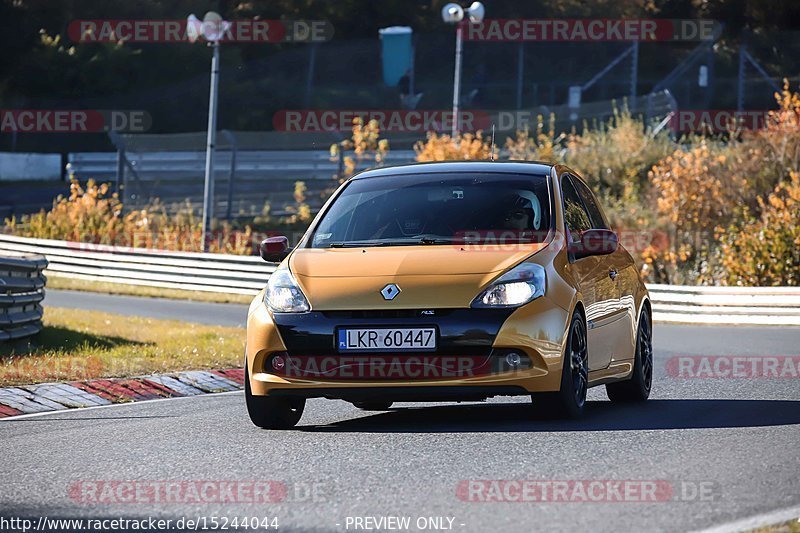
579	364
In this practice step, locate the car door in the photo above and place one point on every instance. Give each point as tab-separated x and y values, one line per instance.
622	270
599	290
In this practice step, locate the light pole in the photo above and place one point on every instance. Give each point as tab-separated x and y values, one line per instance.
212	29
454	14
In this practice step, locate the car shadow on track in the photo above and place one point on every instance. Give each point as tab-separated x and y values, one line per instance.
600	416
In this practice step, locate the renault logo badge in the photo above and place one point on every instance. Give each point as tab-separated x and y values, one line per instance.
390	291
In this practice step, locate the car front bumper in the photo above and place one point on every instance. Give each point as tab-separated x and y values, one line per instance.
537	330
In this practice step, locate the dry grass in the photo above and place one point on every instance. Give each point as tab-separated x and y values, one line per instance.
72	284
93	213
790	526
77	345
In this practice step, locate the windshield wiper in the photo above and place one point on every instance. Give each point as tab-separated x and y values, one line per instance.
410	241
503	241
355	244
435	240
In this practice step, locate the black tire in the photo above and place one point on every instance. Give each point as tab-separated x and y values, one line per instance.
272	413
570	400
637	387
373	406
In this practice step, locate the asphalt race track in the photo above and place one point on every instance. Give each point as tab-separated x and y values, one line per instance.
728	447
161	308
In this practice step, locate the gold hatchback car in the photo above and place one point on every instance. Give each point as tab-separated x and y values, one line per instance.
450	282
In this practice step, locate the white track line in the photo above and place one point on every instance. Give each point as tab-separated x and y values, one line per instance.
66	411
753	522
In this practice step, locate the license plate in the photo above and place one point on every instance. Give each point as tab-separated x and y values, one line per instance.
383	339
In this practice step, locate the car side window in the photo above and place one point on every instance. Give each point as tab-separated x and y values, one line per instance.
575	216
595	213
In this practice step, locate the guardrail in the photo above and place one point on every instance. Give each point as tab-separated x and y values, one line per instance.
233	274
779	306
248	274
21	293
244	179
259	165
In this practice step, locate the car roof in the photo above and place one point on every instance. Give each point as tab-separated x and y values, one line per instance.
508	167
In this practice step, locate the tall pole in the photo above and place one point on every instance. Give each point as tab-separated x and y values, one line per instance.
740	83
520	71
312	64
208	192
457	81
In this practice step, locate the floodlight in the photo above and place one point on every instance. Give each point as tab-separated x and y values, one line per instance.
452	13
475	12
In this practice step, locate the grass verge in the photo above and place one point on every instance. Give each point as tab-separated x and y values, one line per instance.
104	287
78	345
790	526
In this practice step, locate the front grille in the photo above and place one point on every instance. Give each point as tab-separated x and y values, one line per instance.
386	313
469	332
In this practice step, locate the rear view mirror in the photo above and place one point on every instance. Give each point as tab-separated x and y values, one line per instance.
595	242
274	249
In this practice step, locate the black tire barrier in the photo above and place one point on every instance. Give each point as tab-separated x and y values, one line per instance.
21	295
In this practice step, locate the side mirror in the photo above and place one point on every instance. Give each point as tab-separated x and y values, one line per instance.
594	242
274	249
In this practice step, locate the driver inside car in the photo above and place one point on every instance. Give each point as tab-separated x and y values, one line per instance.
525	212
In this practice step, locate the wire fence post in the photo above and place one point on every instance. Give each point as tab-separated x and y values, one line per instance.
231	173
120	185
122	158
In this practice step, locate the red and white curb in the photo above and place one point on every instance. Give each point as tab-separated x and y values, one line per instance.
46	397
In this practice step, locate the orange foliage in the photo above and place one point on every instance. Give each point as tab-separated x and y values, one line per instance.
465	147
92	215
765	250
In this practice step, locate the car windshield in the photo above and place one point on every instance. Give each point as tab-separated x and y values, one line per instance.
431	209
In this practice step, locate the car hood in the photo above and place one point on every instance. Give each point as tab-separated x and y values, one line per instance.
428	276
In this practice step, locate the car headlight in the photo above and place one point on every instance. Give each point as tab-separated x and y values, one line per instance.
518	286
283	294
